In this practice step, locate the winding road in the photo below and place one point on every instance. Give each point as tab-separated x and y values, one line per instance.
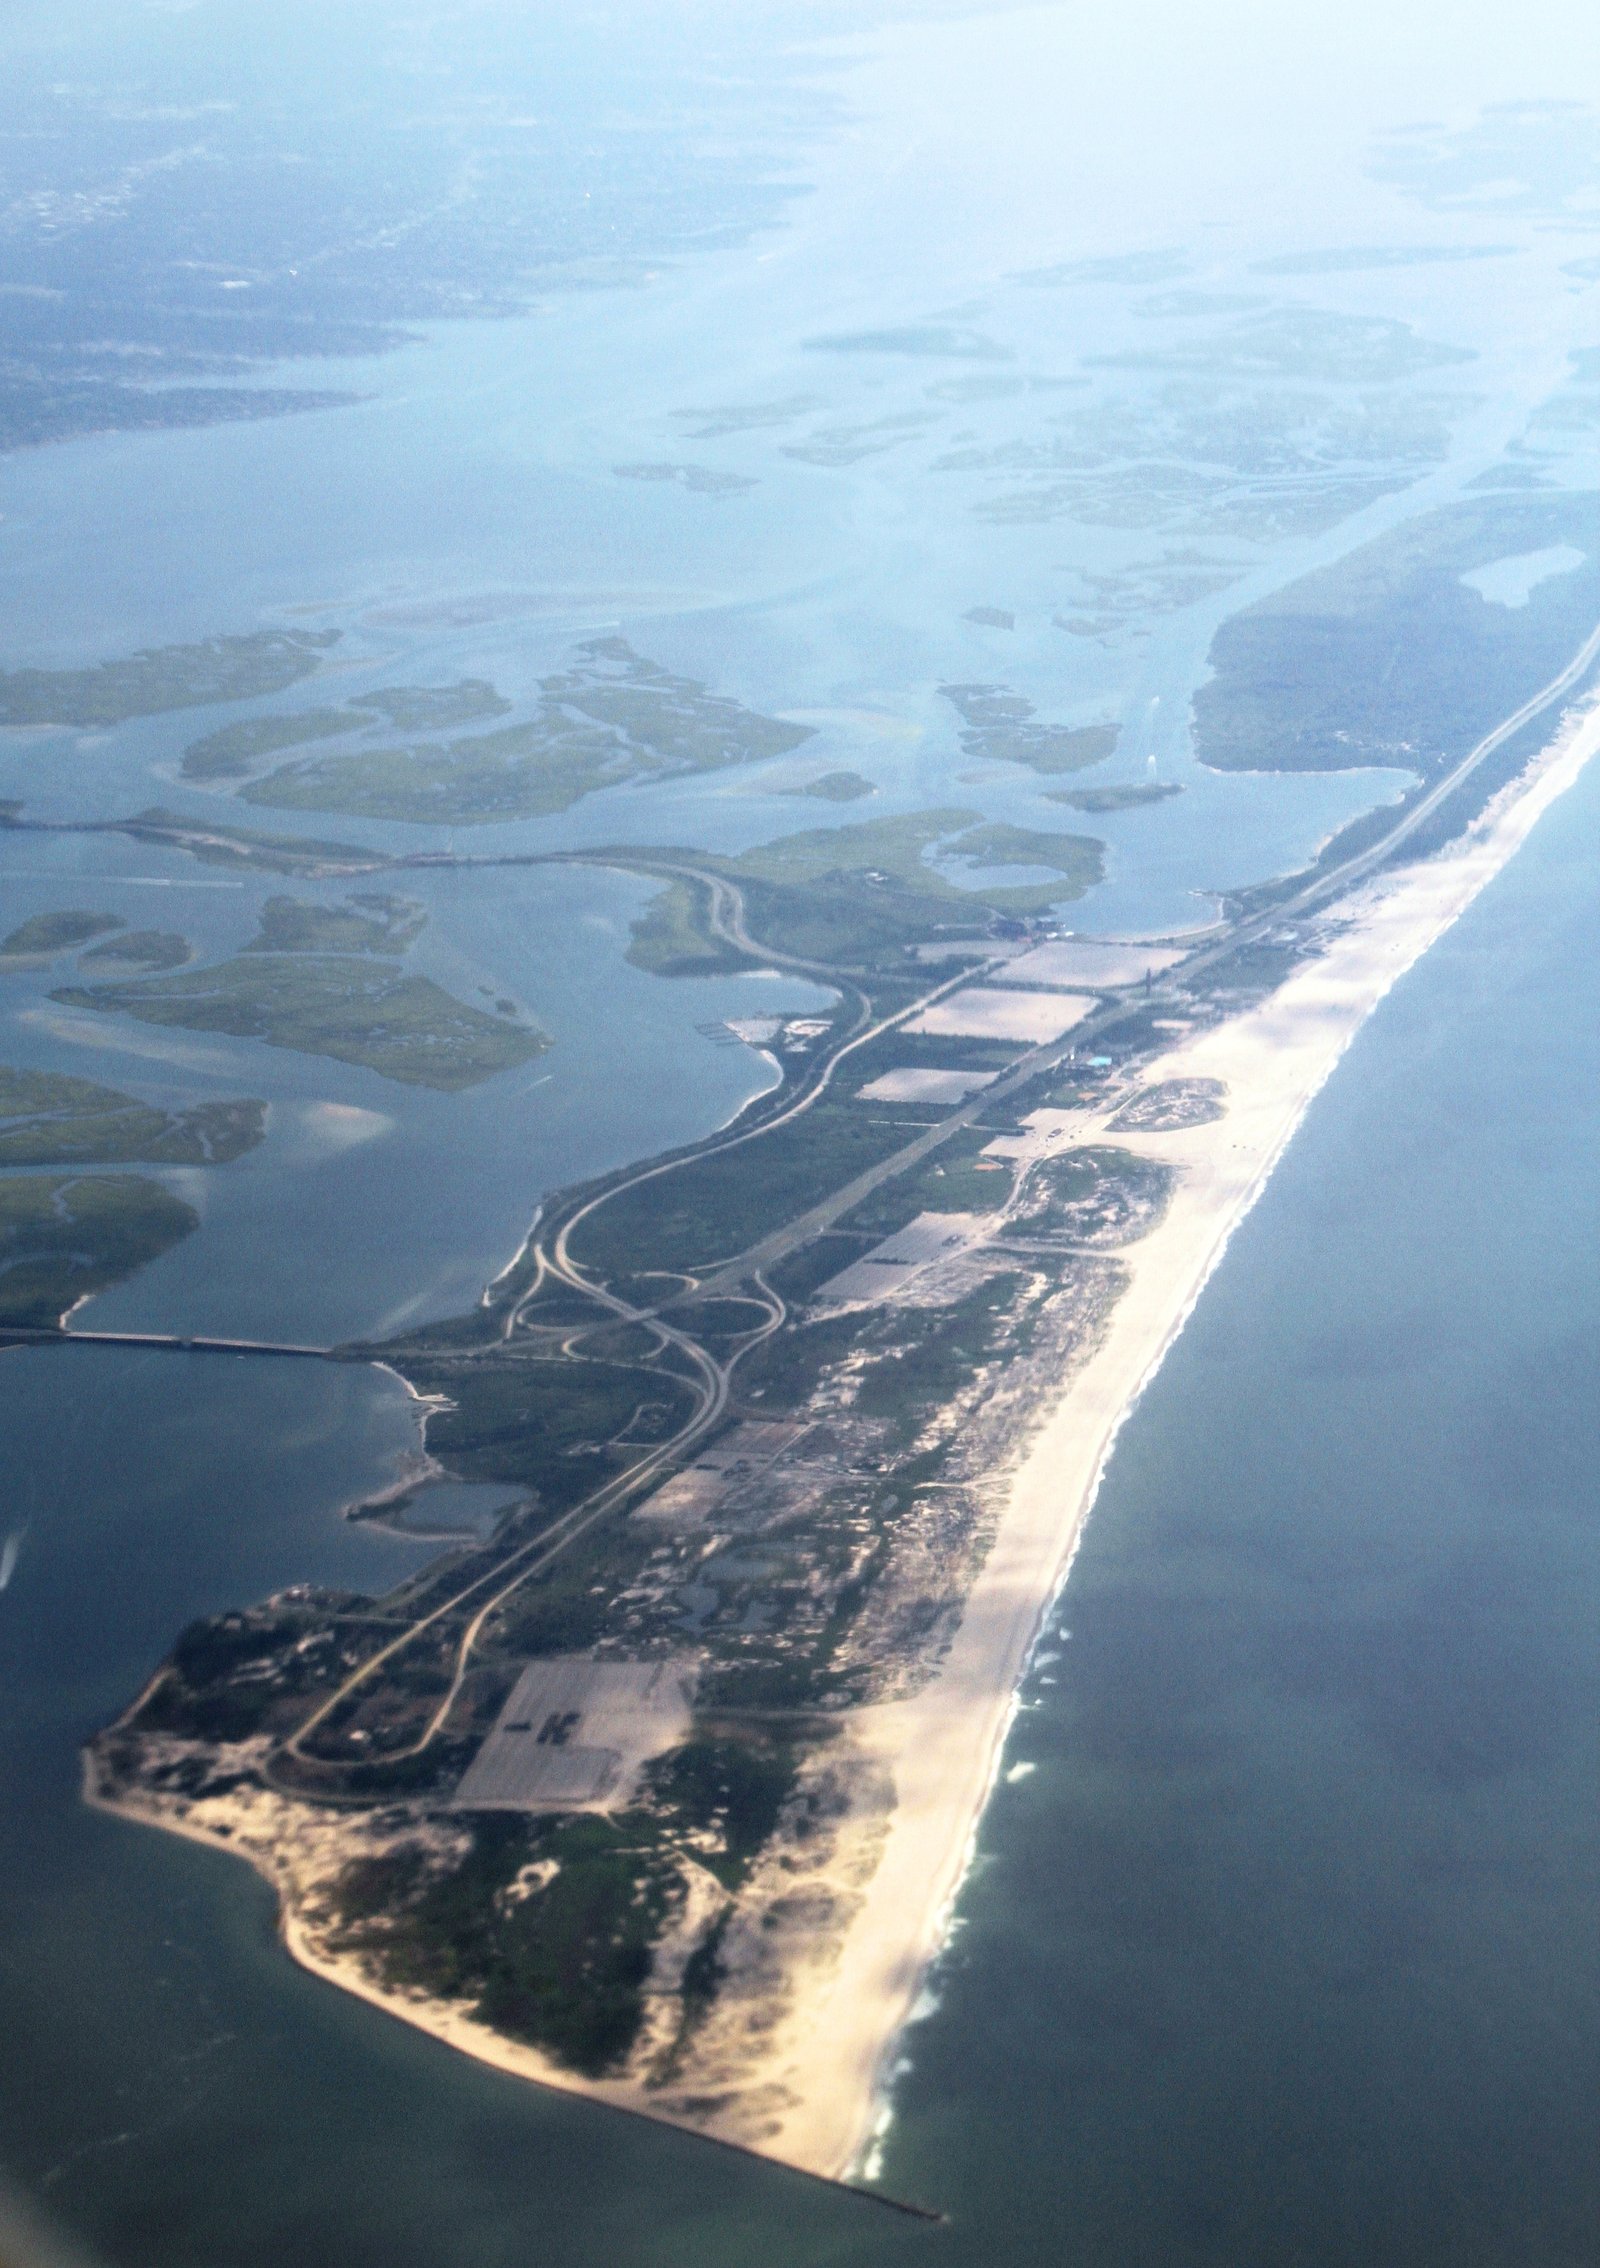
548	1250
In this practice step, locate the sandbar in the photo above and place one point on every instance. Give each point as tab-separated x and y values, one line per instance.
831	2057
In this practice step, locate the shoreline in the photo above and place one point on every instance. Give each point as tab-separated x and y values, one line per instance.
823	2072
945	1745
438	2020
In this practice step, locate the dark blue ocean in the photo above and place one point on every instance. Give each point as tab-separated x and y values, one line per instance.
1280	1950
1283	1951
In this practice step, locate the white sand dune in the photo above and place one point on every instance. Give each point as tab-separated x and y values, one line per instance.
831	2055
808	2086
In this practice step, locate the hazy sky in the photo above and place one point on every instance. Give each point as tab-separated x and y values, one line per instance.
1030	129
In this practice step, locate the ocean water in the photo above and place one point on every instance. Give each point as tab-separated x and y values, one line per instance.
1280	1942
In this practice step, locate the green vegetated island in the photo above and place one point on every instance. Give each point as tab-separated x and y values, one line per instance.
233	751
64	1237
328	980
44	935
598	1794
1241	422
837	787
68	1234
997	722
1126	797
317	978
610	718
161	678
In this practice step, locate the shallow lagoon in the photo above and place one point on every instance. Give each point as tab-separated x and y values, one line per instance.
1283	1945
372	1204
1300	1638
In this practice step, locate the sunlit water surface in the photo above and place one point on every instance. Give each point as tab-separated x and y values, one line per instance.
1280	1944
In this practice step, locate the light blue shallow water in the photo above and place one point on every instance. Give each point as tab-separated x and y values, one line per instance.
371	1205
1284	1948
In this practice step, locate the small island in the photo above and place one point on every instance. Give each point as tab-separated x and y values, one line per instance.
323	980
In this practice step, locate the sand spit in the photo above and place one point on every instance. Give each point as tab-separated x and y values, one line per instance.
834	2051
831	1940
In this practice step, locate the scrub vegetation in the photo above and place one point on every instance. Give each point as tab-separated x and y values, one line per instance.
66	1236
1388	657
321	980
48	1118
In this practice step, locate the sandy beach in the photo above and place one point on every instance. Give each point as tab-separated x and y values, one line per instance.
291	1848
837	2048
802	2076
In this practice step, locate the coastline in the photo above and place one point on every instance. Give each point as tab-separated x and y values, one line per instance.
438	2018
945	1745
442	2022
812	2090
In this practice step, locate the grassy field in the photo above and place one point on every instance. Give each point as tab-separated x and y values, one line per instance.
612	717
159	678
893	848
1078	859
63	1236
860	896
47	1118
895	851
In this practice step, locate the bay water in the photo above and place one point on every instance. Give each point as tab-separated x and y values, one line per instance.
1279	1944
1280	1941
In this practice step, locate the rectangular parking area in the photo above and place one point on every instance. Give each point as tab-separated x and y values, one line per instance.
1093	961
918	1083
994	1012
885	1271
576	1733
